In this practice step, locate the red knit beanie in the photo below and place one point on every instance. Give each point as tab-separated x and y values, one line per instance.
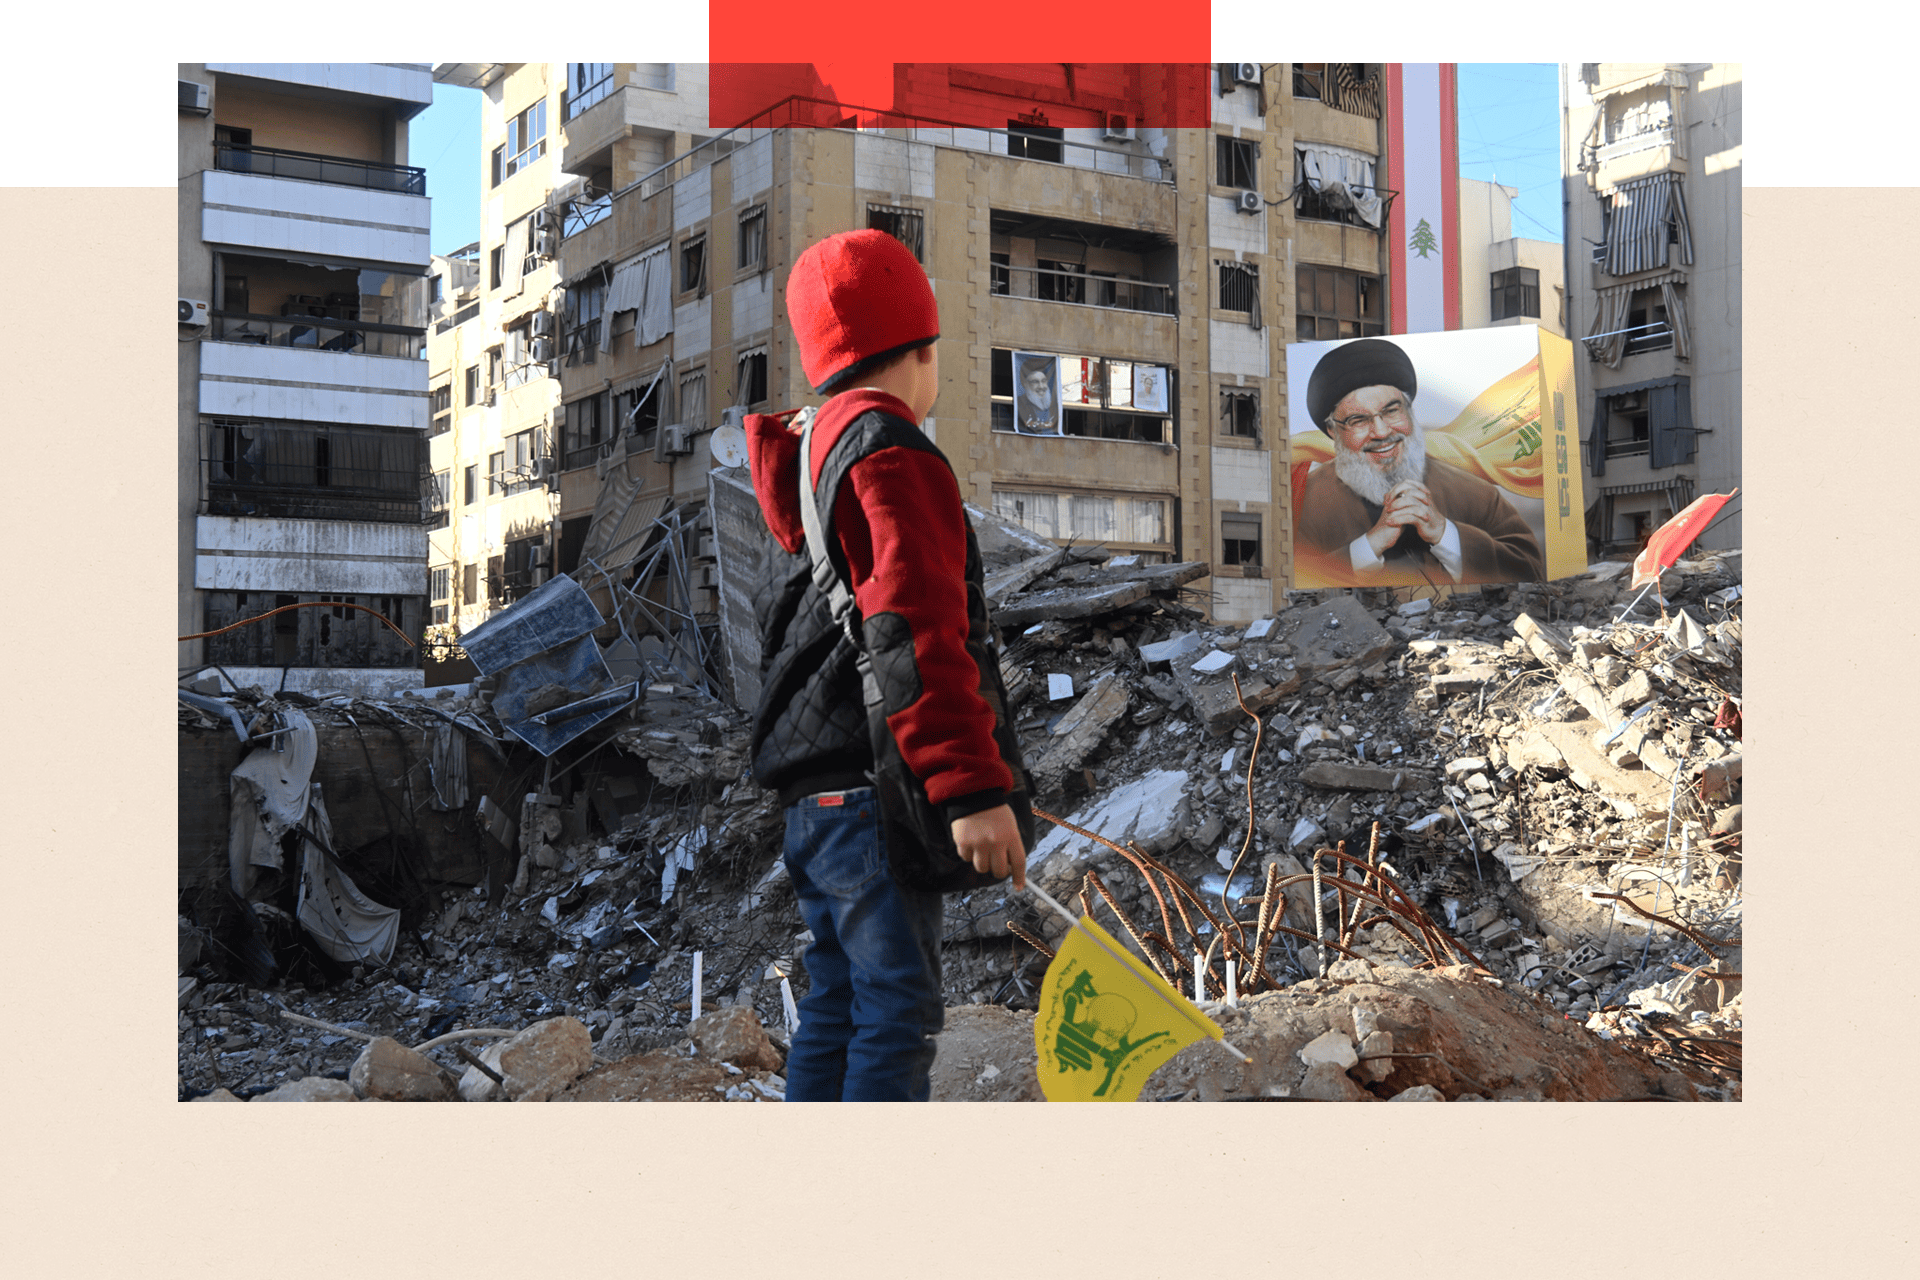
854	298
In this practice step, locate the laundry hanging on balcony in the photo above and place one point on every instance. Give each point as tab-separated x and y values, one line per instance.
1343	177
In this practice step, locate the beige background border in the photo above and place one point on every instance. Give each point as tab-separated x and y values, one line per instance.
107	1175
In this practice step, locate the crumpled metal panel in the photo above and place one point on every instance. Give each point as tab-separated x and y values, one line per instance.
552	614
576	666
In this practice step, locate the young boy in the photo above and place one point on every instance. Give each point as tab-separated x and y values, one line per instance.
865	323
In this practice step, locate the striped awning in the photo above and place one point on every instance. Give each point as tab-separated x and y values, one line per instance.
1606	340
1643	217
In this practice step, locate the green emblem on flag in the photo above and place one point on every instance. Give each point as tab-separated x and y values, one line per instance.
1423	242
1529	441
1093	1031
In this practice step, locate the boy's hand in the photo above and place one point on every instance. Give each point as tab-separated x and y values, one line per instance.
990	840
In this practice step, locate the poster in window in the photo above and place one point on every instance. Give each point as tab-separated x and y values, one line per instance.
1149	388
1080	381
1435	458
1036	394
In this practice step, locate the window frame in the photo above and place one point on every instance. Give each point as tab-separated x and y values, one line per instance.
745	370
1511	286
887	217
697	242
1246	276
1233	548
526	136
1365	286
1236	157
752	216
1230	398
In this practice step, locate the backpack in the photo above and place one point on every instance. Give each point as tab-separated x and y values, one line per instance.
917	836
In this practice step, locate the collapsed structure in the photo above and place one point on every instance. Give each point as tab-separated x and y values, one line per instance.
1511	792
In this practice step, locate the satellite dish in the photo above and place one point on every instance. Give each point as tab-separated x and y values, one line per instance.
729	445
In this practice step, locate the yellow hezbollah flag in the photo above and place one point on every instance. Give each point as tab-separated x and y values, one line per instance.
1107	1021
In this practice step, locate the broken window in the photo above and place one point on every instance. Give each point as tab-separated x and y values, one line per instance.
473	385
1240	289
518	365
1627	427
1240	540
1000	273
1035	140
585	302
1062	281
496	265
1651	418
1120	521
753	238
750	377
1332	303
903	223
440	493
1344	86
1516	292
586	427
1234	162
587	83
1647	326
639	409
1240	412
693	264
526	137
496	579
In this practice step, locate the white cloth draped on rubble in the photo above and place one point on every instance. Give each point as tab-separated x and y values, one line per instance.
344	922
1343	176
447	766
644	285
269	795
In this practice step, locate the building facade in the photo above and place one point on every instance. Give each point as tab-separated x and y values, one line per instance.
303	406
1506	279
1157	272
1652	165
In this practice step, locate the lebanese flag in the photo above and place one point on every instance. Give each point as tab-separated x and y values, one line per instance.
1673	537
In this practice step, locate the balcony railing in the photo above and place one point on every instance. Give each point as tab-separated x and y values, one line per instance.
1050	285
801	112
572	104
458	318
318	332
1629	448
307	167
308	473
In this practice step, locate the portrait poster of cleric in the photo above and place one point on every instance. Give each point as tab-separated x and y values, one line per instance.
1036	394
1435	459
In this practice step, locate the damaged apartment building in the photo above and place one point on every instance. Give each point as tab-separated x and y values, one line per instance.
303	247
626	301
1653	245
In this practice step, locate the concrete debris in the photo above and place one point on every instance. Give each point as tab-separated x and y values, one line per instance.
388	1071
1539	772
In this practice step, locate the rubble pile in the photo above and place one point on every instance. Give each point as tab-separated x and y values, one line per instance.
1557	793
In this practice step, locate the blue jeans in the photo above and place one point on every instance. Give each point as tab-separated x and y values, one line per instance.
873	1002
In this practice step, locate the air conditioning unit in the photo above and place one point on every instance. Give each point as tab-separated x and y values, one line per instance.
1250	202
192	310
542	324
541	350
543	219
195	98
537	555
677	438
1246	73
543	244
1119	128
492	393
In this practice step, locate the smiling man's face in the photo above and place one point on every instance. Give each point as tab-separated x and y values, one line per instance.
1374	422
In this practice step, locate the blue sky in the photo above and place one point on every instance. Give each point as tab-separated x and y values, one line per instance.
1509	133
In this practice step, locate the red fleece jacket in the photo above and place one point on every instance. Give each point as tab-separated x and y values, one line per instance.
902	528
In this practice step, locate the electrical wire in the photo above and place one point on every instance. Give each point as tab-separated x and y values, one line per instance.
305	604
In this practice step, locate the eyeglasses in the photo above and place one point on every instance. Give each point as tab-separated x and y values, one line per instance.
1394	415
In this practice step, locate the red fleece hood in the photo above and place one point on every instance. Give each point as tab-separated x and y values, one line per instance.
773	454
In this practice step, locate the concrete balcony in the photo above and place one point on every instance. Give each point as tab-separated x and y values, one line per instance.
306	384
349	557
407	83
328	220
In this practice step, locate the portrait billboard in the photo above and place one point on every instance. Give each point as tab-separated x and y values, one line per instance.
1434	459
1036	394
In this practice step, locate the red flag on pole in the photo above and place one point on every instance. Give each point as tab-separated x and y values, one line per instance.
1675	536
